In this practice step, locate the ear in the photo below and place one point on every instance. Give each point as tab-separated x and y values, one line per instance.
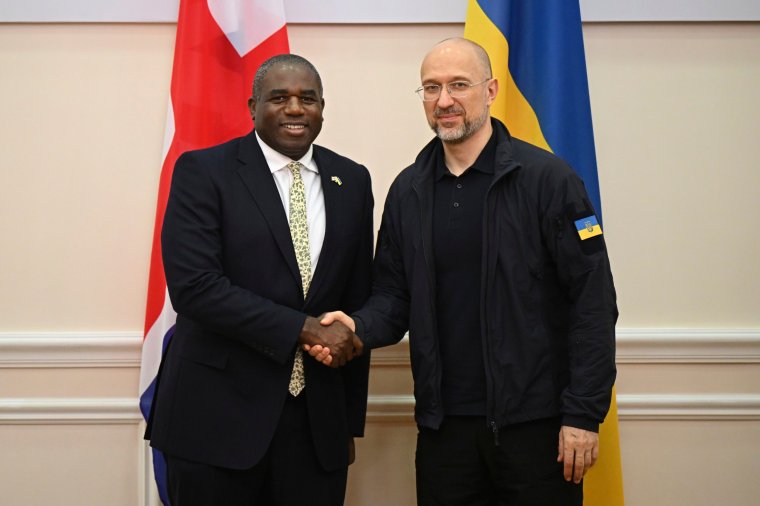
252	106
493	90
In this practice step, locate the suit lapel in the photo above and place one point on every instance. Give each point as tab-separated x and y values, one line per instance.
257	177
331	192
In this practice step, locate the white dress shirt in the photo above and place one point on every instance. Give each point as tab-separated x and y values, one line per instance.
315	200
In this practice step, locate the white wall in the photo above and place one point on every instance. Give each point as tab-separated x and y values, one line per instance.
675	113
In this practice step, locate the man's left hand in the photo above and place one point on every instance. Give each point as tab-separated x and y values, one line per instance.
578	449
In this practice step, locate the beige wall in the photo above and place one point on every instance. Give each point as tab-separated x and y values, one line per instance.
675	112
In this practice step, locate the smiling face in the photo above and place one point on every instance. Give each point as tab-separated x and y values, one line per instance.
455	120
288	112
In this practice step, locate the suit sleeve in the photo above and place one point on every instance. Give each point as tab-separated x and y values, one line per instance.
191	241
583	267
356	373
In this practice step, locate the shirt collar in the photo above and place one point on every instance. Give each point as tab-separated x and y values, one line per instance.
277	161
484	163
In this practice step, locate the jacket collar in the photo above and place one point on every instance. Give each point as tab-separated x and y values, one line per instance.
425	162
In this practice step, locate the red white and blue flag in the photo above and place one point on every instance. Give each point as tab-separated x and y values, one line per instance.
220	44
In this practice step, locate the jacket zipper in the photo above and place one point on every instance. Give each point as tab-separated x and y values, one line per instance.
495	429
430	288
490	397
491	410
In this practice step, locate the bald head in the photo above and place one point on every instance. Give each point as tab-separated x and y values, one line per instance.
460	49
458	115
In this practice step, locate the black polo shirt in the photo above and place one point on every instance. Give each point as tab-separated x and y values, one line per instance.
458	247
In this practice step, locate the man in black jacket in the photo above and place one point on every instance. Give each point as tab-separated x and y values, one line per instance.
490	254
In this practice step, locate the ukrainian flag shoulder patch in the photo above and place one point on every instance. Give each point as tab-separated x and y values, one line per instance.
588	227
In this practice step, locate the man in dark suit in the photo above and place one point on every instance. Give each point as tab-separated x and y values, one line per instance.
262	234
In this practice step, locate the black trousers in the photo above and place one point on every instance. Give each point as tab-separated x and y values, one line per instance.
289	474
461	465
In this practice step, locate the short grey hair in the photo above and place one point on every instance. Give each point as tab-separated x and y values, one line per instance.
285	59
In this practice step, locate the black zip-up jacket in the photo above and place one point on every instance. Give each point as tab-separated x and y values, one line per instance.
547	300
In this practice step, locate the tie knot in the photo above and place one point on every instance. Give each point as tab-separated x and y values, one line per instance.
295	167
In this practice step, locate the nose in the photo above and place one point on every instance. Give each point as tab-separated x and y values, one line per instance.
444	99
294	106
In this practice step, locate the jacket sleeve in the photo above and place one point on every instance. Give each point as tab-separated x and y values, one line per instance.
191	241
580	256
385	318
356	373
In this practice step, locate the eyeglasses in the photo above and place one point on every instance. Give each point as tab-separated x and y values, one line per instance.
456	89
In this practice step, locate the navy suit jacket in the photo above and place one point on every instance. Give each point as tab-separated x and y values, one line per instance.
233	280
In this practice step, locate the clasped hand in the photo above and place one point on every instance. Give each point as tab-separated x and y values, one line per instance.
328	354
330	339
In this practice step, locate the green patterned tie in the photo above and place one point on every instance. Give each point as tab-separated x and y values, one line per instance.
299	232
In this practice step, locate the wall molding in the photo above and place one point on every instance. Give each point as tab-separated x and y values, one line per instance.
720	407
688	345
634	345
67	411
651	407
104	349
381	409
649	346
70	349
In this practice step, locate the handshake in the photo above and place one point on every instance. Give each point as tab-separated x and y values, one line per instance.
330	339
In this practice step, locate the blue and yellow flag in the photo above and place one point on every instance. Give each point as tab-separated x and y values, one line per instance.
536	50
588	227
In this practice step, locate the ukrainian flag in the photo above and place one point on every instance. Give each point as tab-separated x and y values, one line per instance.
588	227
536	50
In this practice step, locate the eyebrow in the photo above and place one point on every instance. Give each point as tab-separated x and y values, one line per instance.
286	92
453	80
